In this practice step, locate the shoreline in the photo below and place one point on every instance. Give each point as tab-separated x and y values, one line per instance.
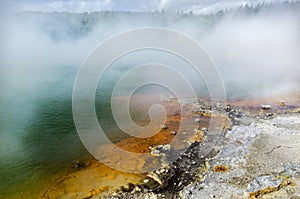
156	184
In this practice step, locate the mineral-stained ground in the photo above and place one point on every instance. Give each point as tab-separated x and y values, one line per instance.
255	154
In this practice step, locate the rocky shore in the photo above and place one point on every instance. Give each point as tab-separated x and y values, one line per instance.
257	156
250	151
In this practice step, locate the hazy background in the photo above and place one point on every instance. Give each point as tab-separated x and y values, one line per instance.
255	48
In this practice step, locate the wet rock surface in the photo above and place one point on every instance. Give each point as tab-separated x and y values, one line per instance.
256	157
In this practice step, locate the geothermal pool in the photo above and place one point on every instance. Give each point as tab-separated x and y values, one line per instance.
256	50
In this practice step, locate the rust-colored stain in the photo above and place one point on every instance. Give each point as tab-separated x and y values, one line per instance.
260	193
221	168
98	179
93	180
165	136
96	191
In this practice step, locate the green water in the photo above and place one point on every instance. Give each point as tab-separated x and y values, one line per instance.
38	139
37	134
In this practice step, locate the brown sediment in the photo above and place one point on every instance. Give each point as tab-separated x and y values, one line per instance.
95	179
97	191
260	193
221	168
141	145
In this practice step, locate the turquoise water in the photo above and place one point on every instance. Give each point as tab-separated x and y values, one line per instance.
37	134
38	139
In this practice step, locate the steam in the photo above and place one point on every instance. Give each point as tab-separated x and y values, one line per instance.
257	52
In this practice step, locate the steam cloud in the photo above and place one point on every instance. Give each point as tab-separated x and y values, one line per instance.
256	49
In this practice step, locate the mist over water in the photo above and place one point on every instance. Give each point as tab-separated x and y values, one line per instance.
256	50
260	43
